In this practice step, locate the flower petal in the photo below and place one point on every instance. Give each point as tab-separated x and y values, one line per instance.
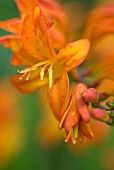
29	86
25	6
20	56
12	25
82	108
58	40
86	130
35	36
74	53
53	9
59	94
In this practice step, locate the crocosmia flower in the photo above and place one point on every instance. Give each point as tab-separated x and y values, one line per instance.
74	117
100	22
45	66
55	17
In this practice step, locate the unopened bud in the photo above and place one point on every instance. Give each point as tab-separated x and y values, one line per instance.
90	95
100	114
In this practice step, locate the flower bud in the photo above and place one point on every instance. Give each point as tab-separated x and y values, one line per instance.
90	95
100	114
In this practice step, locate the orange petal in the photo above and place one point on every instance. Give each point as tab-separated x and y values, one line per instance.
59	94
5	40
12	25
100	22
86	130
72	117
20	56
35	36
25	6
53	9
82	108
74	53
58	40
31	85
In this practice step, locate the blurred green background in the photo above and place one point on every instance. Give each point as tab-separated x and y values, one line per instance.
32	154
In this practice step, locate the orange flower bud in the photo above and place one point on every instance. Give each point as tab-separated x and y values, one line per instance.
90	95
76	117
100	114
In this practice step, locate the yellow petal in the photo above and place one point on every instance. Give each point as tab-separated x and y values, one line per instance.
31	85
74	54
59	94
35	36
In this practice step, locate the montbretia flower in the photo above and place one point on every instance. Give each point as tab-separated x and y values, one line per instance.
74	117
45	66
100	22
55	17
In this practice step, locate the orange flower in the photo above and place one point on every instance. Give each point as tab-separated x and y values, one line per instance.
11	130
45	65
51	8
100	22
74	117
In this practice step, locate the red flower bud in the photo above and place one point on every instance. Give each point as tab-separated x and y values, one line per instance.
100	114
90	95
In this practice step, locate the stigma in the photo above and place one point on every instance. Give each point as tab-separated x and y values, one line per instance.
43	67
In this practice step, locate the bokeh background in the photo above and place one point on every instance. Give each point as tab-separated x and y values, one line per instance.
29	137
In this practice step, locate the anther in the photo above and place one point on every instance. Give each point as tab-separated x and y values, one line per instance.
50	76
42	74
28	76
21	77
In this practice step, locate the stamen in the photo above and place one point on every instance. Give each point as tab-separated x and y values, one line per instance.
21	77
35	67
42	73
68	136
76	131
72	137
28	76
50	77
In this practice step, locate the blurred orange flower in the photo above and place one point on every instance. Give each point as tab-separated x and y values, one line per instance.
47	132
100	22
11	132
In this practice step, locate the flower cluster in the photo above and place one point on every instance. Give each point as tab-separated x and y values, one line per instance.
39	42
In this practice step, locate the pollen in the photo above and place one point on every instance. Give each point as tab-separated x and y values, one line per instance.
43	66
